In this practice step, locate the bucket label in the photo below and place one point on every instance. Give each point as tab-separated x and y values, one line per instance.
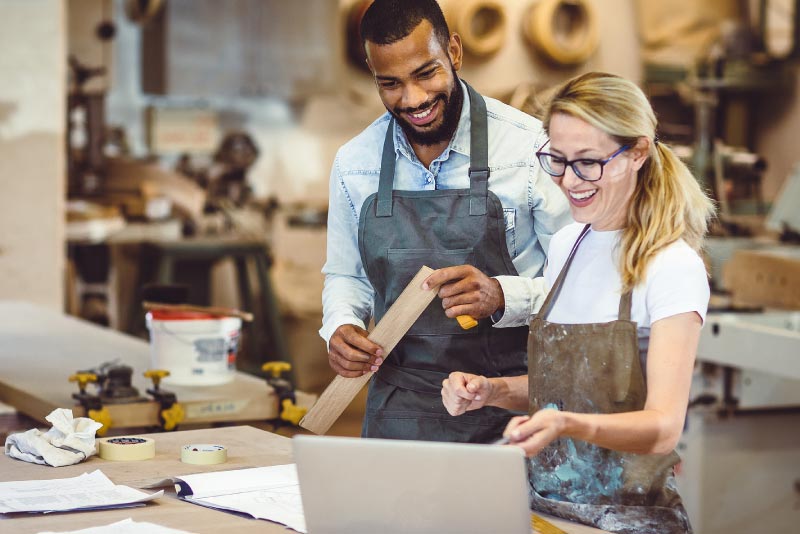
233	348
211	349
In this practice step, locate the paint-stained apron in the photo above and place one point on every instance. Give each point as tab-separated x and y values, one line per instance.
597	368
399	232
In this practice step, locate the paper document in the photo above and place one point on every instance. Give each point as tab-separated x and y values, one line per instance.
126	526
271	493
89	491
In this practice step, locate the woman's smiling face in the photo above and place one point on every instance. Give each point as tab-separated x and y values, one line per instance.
604	203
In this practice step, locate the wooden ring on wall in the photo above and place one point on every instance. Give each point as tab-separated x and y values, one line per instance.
141	11
355	50
481	25
543	29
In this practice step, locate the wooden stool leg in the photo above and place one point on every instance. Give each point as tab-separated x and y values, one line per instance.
146	270
272	320
250	357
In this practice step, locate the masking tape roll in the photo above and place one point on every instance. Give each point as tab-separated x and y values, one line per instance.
564	44
126	448
204	454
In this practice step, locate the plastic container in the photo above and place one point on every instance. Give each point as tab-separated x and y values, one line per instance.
197	349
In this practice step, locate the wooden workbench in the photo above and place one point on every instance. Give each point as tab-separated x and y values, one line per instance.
247	447
41	348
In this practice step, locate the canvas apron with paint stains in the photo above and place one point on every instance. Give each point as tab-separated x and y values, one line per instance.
597	368
399	232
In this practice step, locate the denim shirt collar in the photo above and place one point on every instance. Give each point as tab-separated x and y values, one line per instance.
459	143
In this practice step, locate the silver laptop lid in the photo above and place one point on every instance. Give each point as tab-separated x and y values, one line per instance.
352	485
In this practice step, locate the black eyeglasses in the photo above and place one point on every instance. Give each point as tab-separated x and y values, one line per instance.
587	169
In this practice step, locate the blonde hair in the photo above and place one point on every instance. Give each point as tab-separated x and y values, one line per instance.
667	203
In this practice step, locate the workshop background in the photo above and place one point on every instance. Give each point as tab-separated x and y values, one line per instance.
189	143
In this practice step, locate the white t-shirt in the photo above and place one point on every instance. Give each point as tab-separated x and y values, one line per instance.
675	281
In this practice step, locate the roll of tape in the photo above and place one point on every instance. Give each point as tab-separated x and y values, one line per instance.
126	448
204	454
564	31
480	23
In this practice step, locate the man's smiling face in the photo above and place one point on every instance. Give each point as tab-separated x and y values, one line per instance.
417	82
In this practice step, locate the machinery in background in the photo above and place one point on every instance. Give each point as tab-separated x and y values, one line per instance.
741	446
708	109
740	450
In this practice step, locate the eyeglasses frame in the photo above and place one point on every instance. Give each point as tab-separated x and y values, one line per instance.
571	163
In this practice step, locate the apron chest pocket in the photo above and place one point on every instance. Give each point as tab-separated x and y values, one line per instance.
403	264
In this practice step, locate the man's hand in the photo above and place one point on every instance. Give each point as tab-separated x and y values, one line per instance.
351	354
465	290
462	392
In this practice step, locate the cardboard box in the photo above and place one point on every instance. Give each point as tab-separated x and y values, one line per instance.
768	278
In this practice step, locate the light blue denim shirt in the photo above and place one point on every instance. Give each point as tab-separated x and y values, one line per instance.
533	205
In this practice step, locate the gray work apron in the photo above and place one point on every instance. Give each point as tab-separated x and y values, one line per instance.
597	368
399	232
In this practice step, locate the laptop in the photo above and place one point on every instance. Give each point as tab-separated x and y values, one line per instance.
354	485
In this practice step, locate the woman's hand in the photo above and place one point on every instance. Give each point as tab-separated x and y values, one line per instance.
462	392
533	433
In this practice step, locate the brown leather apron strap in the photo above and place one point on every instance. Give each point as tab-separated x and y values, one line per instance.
556	289
624	313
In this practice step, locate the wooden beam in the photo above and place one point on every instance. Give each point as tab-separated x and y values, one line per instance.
387	333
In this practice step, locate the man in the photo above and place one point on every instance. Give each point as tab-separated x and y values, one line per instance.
446	179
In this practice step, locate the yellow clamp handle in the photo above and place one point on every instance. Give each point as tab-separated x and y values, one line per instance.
466	321
292	412
82	379
156	375
173	416
276	368
103	417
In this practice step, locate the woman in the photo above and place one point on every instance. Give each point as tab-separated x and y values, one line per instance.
612	348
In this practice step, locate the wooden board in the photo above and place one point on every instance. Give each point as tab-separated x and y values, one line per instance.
41	348
387	333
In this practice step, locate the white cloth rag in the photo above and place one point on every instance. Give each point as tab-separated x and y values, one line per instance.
69	441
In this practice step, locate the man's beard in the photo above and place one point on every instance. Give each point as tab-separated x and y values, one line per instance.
451	115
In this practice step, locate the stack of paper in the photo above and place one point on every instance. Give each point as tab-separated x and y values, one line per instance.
92	491
271	493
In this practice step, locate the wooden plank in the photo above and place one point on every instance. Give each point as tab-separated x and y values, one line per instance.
387	333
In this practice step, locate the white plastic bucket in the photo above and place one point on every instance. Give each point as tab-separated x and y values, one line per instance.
197	349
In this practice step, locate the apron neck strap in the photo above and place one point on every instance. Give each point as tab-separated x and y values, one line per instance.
624	313
478	153
386	182
478	161
556	289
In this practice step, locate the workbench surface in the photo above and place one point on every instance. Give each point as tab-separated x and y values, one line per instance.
41	348
247	447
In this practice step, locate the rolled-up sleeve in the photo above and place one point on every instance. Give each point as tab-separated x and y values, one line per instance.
347	296
523	296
